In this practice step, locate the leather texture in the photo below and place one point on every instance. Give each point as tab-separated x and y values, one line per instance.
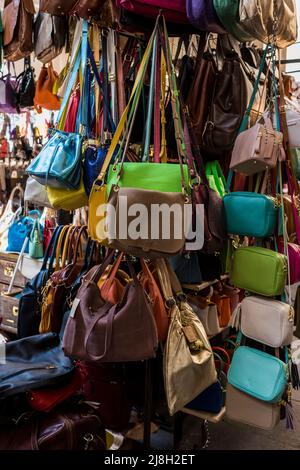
268	280
258	374
33	362
207	312
49	36
250	214
174	10
69	199
67	428
44	97
151	246
257	149
228	13
18	28
245	409
270	322
87	8
36	193
26	86
202	15
56	7
58	165
101	332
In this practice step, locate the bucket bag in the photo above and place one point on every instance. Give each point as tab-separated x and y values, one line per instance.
44	97
99	331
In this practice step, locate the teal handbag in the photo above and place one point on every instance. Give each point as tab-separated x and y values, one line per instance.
258	374
250	214
36	249
259	270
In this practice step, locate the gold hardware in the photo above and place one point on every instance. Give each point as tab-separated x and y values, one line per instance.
15	311
8	320
8	271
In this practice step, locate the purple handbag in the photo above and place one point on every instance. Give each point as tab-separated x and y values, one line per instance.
8	95
202	15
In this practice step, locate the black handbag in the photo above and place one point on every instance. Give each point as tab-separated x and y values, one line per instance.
34	362
26	86
30	301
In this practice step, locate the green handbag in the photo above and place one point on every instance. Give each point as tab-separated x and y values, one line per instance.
228	13
36	249
164	177
259	270
215	177
295	154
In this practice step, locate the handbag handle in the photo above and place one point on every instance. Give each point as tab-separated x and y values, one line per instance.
51	248
145	157
65	232
223	351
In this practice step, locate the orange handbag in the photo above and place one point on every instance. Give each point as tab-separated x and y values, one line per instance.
44	97
112	288
223	304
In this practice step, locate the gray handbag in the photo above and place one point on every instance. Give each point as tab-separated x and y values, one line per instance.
36	193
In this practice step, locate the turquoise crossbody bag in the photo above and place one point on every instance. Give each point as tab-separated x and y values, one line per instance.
258	374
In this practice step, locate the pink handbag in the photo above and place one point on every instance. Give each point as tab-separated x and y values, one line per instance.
294	260
173	10
257	148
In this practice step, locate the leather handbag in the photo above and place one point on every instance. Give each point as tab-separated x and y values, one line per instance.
69	199
94	158
87	8
258	374
186	267
295	154
293	253
207	312
58	165
36	193
36	248
56	7
8	94
26	86
44	97
174	11
74	427
257	19
246	409
228	14
188	365
292	112
9	215
270	322
257	148
113	284
223	304
99	331
34	362
18	27
19	230
250	214
29	316
202	15
268	280
49	36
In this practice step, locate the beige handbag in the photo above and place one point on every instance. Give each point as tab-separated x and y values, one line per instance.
248	410
257	19
189	366
207	312
257	148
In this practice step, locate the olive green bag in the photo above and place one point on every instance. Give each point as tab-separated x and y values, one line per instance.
259	270
228	13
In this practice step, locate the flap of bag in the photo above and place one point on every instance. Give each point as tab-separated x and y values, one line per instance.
10	18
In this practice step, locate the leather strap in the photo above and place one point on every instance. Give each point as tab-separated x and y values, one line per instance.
112	73
66	231
120	78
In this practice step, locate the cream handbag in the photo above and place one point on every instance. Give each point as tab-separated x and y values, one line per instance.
207	312
249	410
257	20
188	366
270	322
36	193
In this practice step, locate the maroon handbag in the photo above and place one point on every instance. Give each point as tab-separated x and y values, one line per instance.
99	331
87	8
173	10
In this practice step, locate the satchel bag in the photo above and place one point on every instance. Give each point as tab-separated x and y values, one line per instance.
246	409
188	365
36	193
74	427
258	374
268	321
34	362
18	27
259	270
99	331
202	15
44	97
250	214
19	230
49	36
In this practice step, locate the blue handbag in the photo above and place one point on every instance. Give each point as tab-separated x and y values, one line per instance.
210	400
93	160
250	214
17	232
187	268
258	374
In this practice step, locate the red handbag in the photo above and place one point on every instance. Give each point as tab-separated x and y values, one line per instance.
47	399
224	356
48	232
173	10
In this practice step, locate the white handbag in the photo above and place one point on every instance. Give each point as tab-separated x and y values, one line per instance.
36	193
8	217
292	111
270	322
207	313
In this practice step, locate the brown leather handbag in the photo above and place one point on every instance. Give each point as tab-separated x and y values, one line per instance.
87	8
224	307
66	428
44	97
99	331
18	29
57	7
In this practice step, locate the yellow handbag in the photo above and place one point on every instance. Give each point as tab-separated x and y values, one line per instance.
68	199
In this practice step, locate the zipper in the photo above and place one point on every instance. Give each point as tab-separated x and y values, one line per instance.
49	367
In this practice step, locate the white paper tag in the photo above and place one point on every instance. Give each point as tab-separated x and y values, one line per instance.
14	174
76	302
